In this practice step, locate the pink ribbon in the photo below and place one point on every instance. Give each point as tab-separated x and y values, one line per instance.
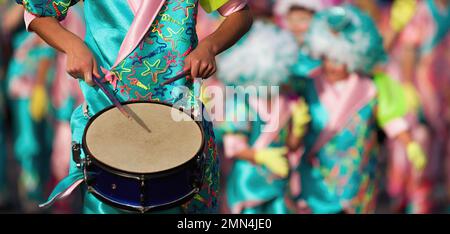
359	92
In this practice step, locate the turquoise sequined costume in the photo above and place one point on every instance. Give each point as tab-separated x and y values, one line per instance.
338	170
261	59
159	56
32	138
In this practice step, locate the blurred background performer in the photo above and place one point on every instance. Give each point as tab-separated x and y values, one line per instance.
296	16
177	54
427	57
408	189
256	123
65	97
28	81
339	167
4	193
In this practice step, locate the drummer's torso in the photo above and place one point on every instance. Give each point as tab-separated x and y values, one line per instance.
159	56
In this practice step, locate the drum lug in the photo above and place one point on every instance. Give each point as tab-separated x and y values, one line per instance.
198	180
76	154
142	196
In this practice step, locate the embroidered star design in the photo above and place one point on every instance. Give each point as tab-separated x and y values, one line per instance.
150	67
157	27
64	7
170	58
123	70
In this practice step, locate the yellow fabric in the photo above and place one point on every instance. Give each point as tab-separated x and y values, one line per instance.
39	103
212	5
401	13
412	96
300	118
274	159
416	156
392	103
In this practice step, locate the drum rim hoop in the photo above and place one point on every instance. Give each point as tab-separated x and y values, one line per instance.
138	209
128	174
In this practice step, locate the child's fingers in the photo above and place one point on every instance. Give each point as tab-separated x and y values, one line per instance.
211	71
195	68
203	69
88	78
95	69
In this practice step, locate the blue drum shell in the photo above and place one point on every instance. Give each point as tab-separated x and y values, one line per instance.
143	192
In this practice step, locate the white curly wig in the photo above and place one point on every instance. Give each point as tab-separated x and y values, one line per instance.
263	57
282	7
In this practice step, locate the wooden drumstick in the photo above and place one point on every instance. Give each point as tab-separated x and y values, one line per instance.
111	97
177	77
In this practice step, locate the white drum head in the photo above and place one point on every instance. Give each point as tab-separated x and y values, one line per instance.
127	145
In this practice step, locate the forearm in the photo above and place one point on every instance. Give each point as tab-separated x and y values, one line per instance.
408	63
230	31
51	31
247	154
404	137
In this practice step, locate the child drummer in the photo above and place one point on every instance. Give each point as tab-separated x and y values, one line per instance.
153	40
338	169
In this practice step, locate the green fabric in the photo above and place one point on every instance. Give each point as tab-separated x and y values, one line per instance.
212	5
391	99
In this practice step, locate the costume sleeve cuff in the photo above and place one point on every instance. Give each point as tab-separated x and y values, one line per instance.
395	127
233	144
232	6
28	17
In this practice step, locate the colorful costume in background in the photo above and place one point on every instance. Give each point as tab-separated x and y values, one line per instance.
338	170
32	133
145	45
3	155
260	60
429	35
406	186
66	96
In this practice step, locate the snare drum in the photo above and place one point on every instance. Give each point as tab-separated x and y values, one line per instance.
145	163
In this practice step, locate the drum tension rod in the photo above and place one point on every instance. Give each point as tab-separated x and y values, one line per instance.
142	195
76	154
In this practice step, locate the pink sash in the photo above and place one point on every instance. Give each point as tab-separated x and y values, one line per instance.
359	92
145	14
143	11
